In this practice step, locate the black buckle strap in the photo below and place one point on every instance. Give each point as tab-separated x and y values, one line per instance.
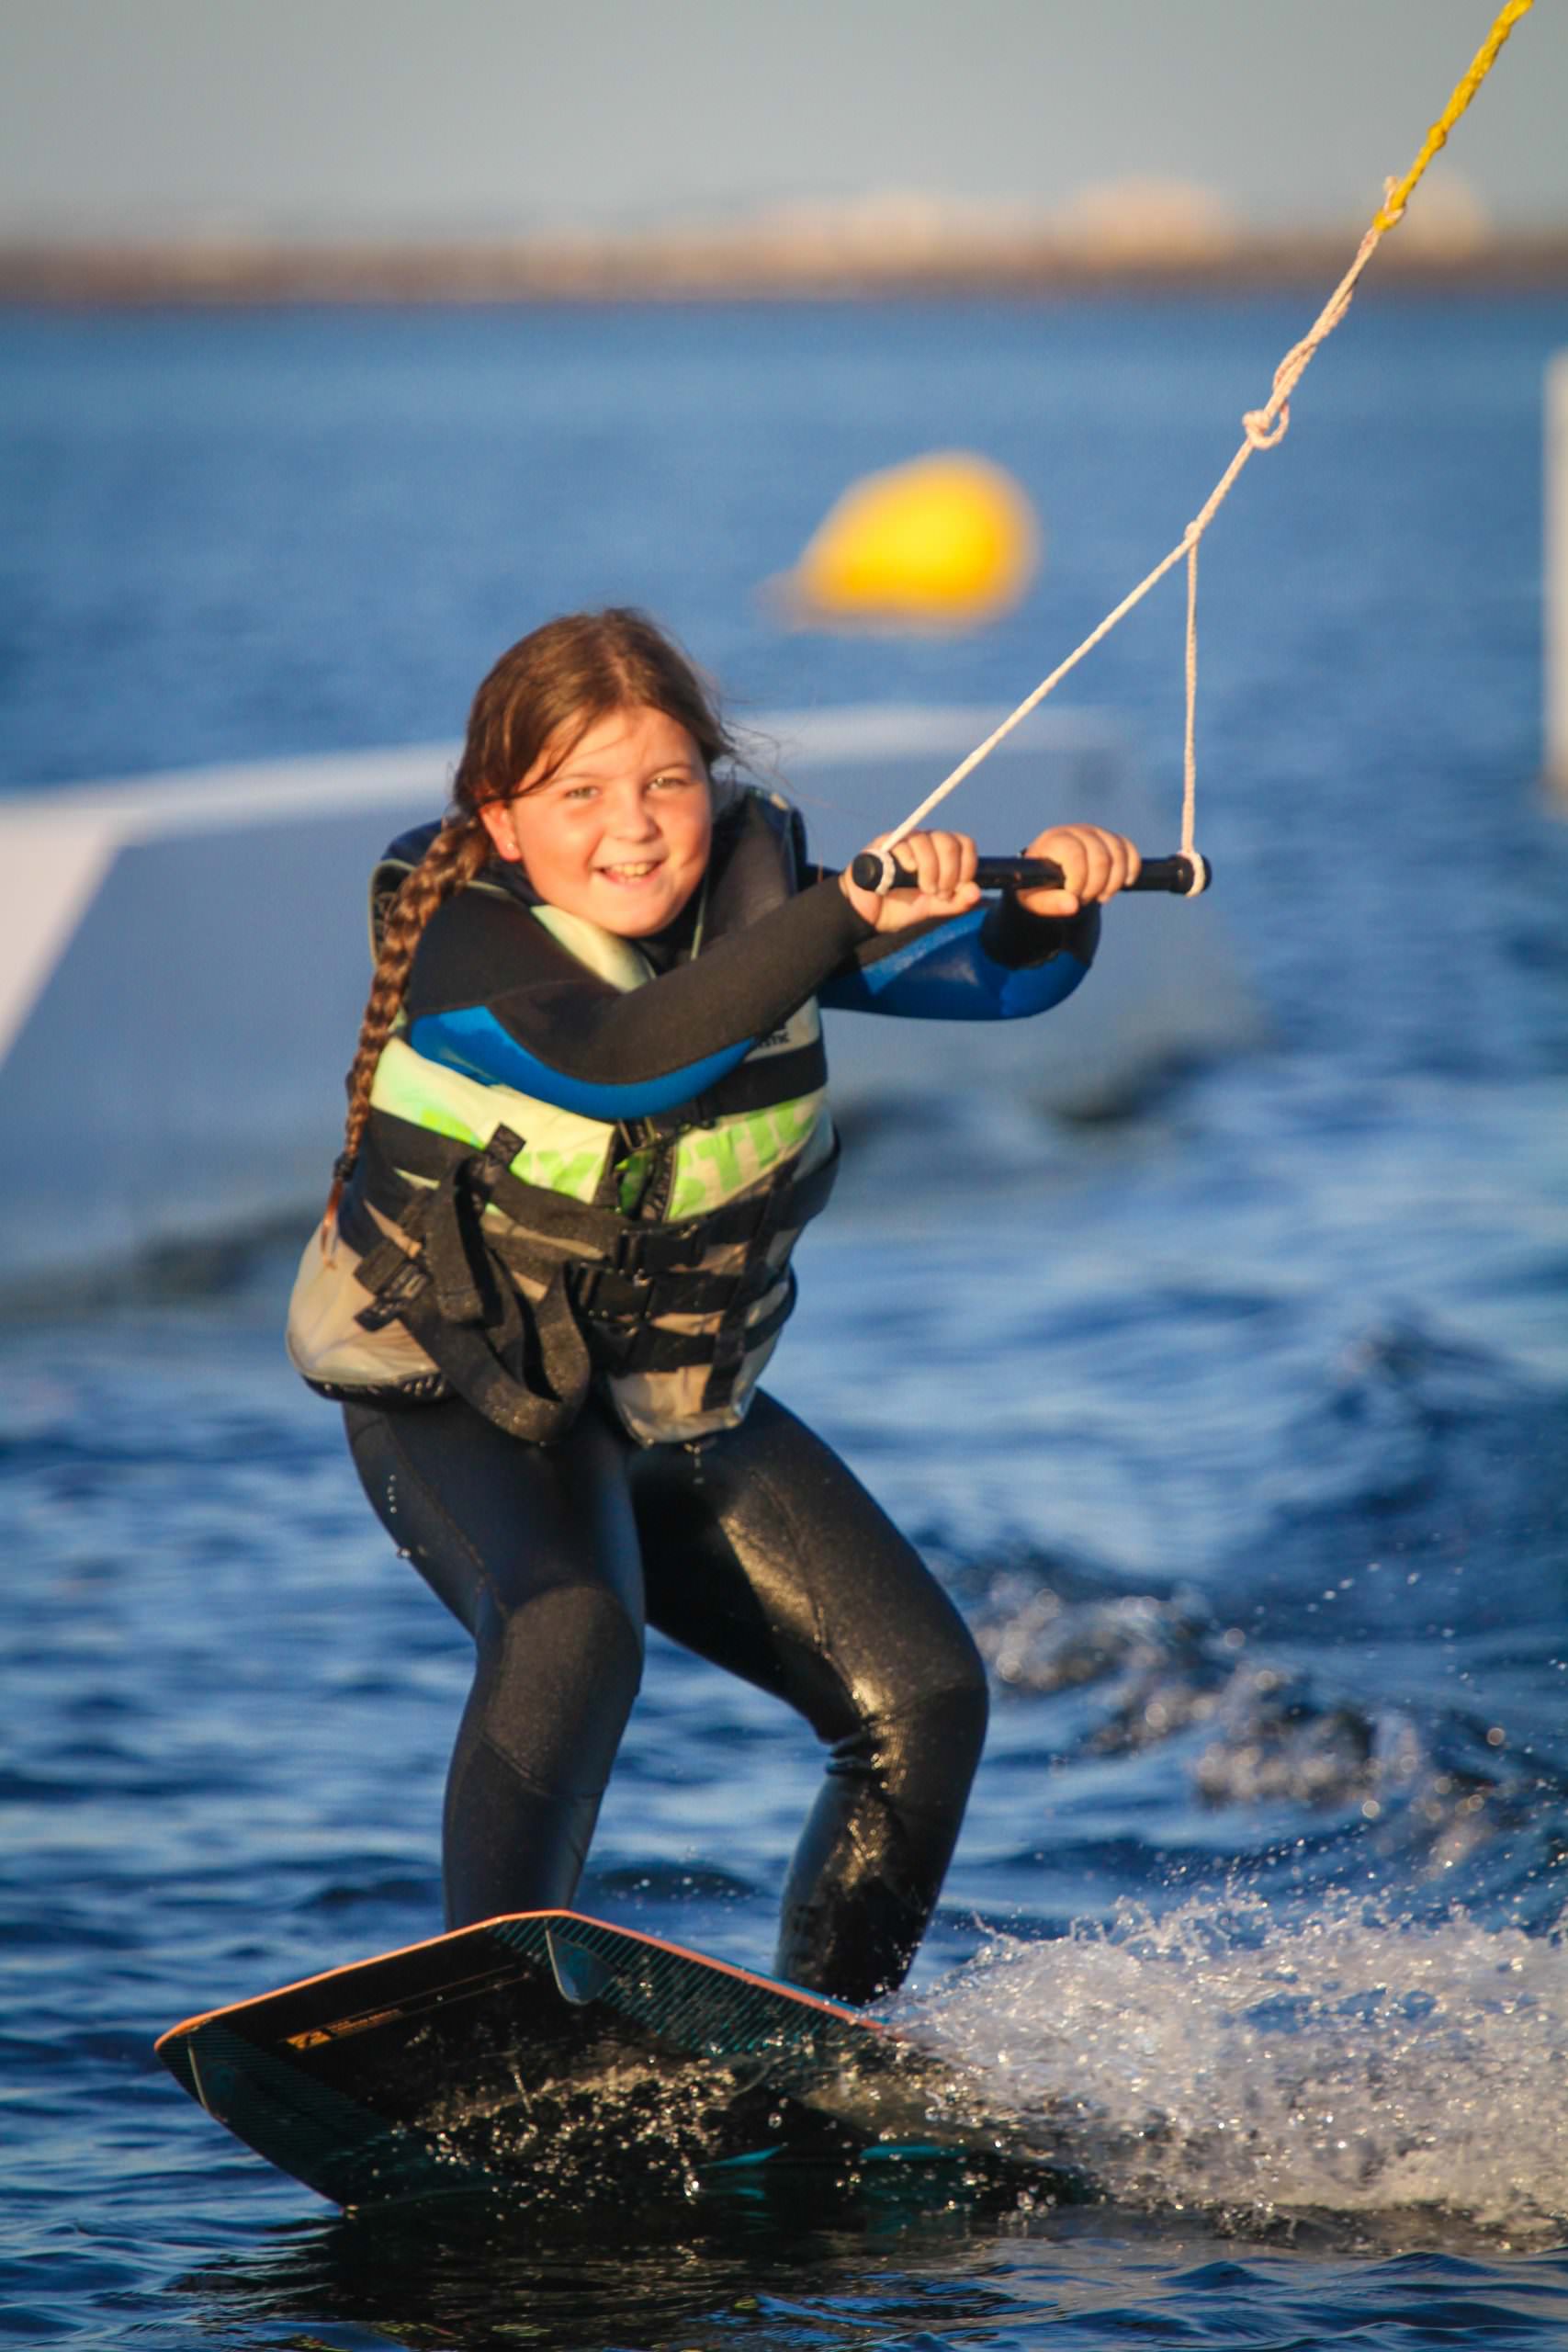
608	1294
442	1222
396	1148
466	1287
396	1281
789	1201
643	1252
650	1347
480	1371
734	1343
447	1294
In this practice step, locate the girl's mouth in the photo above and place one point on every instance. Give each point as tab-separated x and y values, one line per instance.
630	871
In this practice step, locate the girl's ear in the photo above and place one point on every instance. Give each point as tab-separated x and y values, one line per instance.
496	818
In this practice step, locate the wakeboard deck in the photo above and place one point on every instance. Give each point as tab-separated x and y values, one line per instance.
541	2054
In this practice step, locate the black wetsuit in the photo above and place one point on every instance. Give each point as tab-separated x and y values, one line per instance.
757	1549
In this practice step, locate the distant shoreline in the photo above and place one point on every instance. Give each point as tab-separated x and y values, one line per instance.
744	265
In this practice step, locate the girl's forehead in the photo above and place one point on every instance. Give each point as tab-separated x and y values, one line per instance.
628	738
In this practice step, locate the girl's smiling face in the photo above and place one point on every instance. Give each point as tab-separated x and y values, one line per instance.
617	828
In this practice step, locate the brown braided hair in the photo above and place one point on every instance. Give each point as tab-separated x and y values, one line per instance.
540	699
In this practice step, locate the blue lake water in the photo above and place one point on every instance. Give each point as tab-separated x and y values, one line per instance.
1236	1424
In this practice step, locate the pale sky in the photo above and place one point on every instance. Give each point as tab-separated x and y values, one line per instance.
431	116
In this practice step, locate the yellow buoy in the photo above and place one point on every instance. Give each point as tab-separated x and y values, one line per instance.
946	542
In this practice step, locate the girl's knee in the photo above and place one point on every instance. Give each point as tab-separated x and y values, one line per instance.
939	1692
942	1734
965	1706
919	1736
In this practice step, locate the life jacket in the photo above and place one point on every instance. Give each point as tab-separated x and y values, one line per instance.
500	1247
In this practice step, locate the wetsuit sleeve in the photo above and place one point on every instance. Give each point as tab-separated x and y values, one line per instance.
492	995
998	963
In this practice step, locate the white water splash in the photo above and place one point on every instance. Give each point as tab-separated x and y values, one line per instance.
1217	2058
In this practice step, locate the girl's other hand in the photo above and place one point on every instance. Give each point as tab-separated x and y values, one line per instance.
944	864
1095	865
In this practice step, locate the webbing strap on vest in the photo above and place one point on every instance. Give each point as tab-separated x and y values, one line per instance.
395	1149
446	1294
527	1365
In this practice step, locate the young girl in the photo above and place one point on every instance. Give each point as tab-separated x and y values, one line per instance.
587	1122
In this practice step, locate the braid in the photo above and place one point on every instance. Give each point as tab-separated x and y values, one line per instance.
453	859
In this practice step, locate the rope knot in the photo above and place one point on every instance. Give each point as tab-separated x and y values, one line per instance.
1259	433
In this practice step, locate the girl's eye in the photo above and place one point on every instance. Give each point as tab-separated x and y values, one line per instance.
580	792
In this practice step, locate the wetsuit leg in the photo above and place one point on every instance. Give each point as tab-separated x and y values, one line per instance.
765	1554
534	1548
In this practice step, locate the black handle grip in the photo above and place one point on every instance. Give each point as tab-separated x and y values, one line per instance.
1182	877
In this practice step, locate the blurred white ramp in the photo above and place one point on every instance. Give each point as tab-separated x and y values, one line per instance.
182	964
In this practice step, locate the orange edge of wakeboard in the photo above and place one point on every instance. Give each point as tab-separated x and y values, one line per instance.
636	1935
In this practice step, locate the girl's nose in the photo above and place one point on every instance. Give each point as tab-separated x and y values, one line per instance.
628	816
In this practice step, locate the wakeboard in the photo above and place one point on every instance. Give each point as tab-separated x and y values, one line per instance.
544	2055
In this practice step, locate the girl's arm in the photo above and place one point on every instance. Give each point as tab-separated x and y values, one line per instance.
493	995
551	1029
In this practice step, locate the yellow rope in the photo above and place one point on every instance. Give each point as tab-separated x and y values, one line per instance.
1486	58
1264	428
